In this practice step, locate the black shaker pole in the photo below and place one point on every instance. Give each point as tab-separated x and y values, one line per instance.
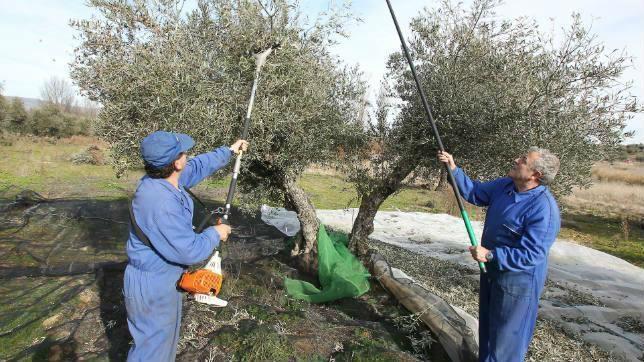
430	119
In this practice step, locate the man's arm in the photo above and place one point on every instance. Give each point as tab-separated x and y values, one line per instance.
204	165
177	242
477	193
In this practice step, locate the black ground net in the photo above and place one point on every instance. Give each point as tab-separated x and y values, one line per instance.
61	264
61	274
61	280
50	237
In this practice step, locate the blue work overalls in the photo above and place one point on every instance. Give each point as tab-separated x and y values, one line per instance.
520	228
164	214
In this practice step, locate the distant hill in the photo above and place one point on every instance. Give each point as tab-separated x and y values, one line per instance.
30	103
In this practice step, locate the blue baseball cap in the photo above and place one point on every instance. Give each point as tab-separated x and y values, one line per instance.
160	148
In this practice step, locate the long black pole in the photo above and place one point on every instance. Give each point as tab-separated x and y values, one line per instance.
430	118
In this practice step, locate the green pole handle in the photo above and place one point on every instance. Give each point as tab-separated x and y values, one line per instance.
470	232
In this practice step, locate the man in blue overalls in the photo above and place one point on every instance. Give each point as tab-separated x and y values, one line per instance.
163	211
521	224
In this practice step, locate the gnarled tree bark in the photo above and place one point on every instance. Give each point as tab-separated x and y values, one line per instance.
305	248
363	224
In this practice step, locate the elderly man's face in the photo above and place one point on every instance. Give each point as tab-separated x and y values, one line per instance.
522	169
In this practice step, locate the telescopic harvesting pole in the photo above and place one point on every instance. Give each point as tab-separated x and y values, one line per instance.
260	59
430	118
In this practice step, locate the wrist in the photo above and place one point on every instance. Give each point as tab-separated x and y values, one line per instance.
489	256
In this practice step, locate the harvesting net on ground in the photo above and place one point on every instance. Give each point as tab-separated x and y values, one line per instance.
62	278
341	274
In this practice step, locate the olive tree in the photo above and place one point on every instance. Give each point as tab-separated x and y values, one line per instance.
155	65
496	88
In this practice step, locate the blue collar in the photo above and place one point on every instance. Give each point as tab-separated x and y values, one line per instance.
520	196
165	184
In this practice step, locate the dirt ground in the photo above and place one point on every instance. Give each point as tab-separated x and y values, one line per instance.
62	264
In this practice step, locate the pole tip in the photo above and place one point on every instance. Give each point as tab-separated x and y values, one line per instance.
260	56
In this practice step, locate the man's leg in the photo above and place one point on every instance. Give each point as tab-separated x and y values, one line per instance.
484	320
153	316
513	312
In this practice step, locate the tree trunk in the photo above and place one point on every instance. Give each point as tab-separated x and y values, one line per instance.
442	180
363	224
455	328
305	248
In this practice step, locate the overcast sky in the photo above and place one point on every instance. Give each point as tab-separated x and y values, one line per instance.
38	42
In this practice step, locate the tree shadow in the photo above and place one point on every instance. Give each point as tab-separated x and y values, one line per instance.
47	239
112	311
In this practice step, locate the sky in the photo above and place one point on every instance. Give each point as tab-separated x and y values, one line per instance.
38	42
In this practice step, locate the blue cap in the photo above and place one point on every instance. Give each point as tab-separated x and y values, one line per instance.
160	148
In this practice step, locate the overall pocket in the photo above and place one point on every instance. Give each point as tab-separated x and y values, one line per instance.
513	231
509	234
517	284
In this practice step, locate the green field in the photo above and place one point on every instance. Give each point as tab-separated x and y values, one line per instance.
44	166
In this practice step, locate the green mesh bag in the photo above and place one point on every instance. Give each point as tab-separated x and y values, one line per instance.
340	273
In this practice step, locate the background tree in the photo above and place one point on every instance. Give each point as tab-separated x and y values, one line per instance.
3	104
496	88
59	92
155	66
16	116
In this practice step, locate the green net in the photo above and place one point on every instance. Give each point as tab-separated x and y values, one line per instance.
340	274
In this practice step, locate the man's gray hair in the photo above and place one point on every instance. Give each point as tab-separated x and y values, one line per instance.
547	164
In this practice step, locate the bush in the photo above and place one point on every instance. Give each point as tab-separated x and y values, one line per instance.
5	139
92	155
16	116
49	120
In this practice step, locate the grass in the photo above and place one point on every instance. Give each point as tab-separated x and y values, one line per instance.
332	192
607	198
597	212
622	238
44	165
265	344
628	173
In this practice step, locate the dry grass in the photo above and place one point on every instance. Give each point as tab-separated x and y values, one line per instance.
316	169
608	198
44	165
627	173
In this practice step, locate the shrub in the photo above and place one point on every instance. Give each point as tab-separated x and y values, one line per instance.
92	155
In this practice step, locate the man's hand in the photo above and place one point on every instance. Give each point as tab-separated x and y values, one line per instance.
223	230
239	145
447	158
479	253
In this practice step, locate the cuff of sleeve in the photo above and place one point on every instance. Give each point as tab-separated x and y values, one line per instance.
226	152
499	255
227	149
212	235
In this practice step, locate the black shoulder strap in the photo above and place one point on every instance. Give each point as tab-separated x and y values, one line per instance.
137	230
